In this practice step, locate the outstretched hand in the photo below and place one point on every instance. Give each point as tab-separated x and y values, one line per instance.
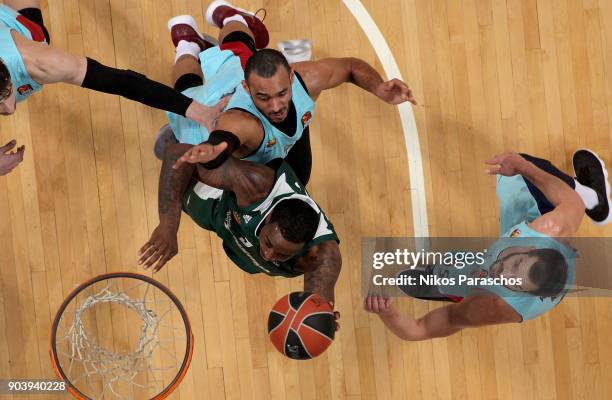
395	91
201	153
507	164
160	248
10	159
204	115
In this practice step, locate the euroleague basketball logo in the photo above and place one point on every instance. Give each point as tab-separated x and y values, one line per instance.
306	119
271	143
515	233
24	89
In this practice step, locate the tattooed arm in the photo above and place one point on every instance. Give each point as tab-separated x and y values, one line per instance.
163	245
249	181
321	264
172	186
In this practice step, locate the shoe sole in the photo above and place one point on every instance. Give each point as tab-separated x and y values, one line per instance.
186	20
606	178
208	15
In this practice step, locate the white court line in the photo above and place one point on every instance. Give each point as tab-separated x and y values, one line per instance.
411	135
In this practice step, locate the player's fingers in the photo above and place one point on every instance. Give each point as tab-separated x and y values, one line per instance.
375	304
222	103
20	151
144	248
162	261
493	170
152	259
151	249
210	152
496	159
367	302
388	302
400	85
8	146
185	158
381	303
410	97
218	148
178	163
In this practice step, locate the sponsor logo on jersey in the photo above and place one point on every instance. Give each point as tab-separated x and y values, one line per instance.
236	217
247	218
227	222
271	143
24	89
306	119
515	233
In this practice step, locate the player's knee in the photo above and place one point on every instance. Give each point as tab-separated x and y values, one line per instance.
187	81
242	37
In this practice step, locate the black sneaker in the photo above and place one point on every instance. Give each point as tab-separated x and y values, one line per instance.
165	136
591	172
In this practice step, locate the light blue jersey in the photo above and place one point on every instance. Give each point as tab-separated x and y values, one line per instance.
517	209
276	144
223	74
23	84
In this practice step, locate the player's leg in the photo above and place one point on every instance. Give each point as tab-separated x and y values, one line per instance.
31	10
591	184
188	42
186	72
592	175
236	21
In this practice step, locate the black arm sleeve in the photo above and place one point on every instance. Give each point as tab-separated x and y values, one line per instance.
217	137
134	86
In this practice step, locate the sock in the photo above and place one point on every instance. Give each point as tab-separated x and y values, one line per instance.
588	195
185	47
235	18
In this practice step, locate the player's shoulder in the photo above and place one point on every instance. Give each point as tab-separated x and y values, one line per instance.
236	119
318	254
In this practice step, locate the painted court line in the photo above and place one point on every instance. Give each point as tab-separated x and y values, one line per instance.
411	135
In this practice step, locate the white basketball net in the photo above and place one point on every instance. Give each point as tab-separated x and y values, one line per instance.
109	367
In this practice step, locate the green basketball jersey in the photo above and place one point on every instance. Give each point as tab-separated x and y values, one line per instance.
217	210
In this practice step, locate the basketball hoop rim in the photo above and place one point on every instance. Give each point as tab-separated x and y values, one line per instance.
190	340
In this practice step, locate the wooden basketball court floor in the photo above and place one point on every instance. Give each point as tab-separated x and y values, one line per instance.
490	75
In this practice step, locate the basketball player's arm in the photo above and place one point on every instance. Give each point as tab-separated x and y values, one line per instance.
331	72
249	181
472	312
47	64
247	129
162	245
21	4
322	264
565	219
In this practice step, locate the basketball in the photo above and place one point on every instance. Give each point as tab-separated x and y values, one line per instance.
301	325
